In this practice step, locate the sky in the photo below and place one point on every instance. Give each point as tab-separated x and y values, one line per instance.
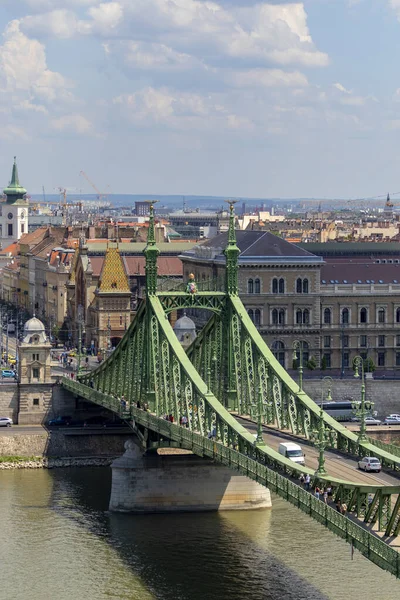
232	98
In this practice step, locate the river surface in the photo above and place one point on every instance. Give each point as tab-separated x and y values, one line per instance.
58	541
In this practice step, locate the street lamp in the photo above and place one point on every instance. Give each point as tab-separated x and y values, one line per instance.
327	383
321	440
361	410
262	411
298	347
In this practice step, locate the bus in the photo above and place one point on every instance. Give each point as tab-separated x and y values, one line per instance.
341	411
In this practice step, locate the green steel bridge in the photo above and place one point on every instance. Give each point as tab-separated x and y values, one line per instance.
229	371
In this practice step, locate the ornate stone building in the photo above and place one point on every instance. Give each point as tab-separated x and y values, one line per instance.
34	374
336	307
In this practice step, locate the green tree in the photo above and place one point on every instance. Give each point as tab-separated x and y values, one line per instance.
323	363
312	364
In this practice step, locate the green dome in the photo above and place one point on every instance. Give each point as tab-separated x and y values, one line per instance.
14	191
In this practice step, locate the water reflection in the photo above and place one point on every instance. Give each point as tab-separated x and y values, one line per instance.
60	541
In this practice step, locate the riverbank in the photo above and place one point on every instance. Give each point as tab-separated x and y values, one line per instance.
40	462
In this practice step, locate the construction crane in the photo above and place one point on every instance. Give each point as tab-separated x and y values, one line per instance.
100	196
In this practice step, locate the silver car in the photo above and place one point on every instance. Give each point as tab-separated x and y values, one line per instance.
369	463
5	422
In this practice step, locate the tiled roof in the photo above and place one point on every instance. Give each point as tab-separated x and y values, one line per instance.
167	266
360	272
11	250
113	276
258	244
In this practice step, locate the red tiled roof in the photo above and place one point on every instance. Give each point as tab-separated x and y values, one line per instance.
13	249
167	265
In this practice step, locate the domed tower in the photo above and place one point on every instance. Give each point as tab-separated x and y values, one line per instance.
14	212
185	331
34	373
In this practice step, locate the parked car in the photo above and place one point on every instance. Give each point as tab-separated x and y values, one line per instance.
392	420
5	422
60	421
394	416
369	463
7	373
102	421
372	421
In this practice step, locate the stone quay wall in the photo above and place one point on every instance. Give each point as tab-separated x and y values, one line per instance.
384	393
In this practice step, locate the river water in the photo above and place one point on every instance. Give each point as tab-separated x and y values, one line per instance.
58	541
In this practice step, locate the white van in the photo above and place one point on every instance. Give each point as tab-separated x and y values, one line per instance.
292	451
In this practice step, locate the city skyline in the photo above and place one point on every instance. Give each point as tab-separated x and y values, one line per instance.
230	98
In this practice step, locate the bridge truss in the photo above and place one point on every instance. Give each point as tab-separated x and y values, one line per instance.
226	372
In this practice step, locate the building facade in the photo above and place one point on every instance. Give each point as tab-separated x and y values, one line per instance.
14	211
336	308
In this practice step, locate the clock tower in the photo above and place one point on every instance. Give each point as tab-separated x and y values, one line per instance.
14	211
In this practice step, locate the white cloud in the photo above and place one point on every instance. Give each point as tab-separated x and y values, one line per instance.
23	67
151	56
267	33
180	111
72	124
266	78
62	23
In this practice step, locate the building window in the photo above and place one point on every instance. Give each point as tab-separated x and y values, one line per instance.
301	286
327	341
10	229
381	315
35	356
363	341
327	360
35	373
278	349
398	315
250	312
346	360
275	286
397	359
381	341
250	286
257	286
345	316
120	319
281	286
327	316
397	340
22	227
345	341
257	317
381	359
363	315
278	316
36	402
302	316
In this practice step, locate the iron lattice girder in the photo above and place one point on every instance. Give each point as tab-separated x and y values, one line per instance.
262	464
213	301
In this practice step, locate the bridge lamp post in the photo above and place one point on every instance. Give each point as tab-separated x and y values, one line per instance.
327	383
321	440
364	408
261	412
298	348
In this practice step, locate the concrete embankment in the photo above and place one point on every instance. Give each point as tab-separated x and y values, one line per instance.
50	449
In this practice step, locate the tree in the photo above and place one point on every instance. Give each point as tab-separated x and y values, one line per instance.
55	332
323	363
312	364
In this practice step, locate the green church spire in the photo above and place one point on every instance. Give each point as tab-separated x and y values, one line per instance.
14	191
151	253
232	253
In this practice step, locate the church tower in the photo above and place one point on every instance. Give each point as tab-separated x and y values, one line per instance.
14	211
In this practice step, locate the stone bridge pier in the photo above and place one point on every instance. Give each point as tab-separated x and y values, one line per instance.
151	482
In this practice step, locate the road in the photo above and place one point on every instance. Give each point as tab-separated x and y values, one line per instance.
337	465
